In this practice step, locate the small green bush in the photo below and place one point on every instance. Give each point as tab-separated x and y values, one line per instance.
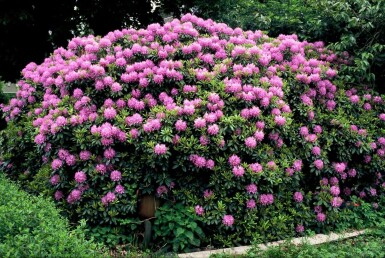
32	227
176	225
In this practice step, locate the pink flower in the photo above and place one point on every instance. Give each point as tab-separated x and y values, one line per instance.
333	181
260	125
210	164
55	179
352	172
372	191
180	125
228	220
336	202
279	120
266	199
39	139
85	155
304	131
318	164
204	140
74	196
198	161
109	153
119	189
71	160
161	190
80	177
316	151
108	198
251	189
238	171
56	164
207	194
58	195
271	165
199	122
160	149
101	168
299	228
339	167
335	190
297	165
250	204
256	167
116	175
213	129
259	135
317	129
317	209
234	160
199	210
250	142
321	217
298	197
109	113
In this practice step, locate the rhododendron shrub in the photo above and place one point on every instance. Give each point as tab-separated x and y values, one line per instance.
256	134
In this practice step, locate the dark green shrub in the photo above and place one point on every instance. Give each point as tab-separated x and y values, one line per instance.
32	227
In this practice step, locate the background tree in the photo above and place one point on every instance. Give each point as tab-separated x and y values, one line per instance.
46	25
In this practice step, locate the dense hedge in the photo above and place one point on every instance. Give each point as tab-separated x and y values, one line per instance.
32	227
257	134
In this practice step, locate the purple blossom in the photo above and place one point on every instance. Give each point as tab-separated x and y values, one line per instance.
251	204
298	197
213	129
299	228
321	217
266	199
228	220
335	190
318	164
119	189
55	179
160	149
56	164
116	175
199	210
250	142
85	155
80	177
256	167
251	189
238	171
234	160
336	202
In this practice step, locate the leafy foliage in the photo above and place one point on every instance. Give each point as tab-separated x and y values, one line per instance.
177	226
32	227
258	136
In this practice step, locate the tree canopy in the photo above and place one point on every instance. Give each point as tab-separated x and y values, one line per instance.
30	30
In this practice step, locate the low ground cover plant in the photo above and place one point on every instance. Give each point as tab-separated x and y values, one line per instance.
32	227
256	136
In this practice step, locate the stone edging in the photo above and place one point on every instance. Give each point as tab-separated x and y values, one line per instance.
314	240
